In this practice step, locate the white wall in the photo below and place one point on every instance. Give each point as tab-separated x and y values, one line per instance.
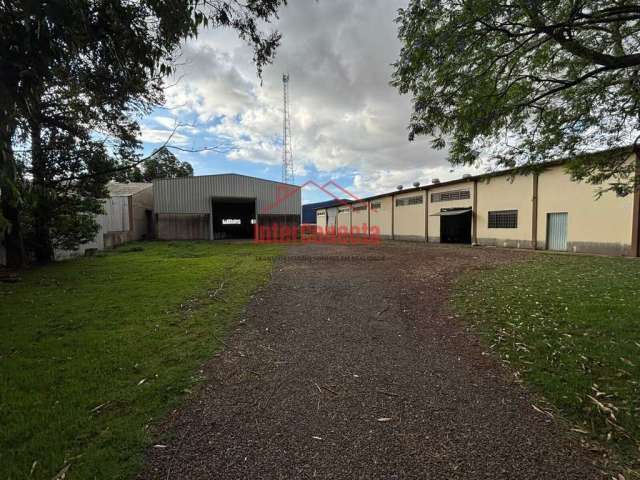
117	214
408	220
434	207
115	219
603	223
381	217
505	193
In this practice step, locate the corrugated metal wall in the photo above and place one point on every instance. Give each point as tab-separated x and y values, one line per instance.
193	194
183	227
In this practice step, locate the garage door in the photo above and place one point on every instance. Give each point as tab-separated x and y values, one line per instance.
557	231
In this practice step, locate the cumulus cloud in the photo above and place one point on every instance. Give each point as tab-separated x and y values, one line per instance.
157	136
346	118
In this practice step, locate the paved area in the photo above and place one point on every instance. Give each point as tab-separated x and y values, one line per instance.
348	365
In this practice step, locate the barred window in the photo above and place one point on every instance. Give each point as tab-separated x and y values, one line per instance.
451	195
503	219
376	205
401	202
359	207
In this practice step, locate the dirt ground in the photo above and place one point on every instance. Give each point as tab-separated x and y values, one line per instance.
349	365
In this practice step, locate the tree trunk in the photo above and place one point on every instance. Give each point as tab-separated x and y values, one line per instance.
13	244
43	247
9	199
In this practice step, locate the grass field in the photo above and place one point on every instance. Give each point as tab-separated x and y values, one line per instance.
570	326
94	350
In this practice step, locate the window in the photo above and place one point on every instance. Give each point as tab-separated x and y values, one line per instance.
503	219
376	205
359	207
321	214
451	195
343	209
401	202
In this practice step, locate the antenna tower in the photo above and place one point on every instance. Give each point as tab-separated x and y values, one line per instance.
287	151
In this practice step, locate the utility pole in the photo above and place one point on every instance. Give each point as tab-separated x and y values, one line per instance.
287	151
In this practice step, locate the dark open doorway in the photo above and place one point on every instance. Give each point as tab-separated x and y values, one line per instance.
455	225
233	217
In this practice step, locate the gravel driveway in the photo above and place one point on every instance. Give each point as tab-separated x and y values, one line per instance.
348	365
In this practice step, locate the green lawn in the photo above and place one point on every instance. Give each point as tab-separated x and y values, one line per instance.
570	325
95	350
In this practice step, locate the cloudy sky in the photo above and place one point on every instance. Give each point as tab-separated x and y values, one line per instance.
348	124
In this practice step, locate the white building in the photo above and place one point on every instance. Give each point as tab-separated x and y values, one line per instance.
127	218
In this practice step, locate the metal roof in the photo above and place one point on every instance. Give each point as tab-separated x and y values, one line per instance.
448	213
194	194
472	178
226	175
126	189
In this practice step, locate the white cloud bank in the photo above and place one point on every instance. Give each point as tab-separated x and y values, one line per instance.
345	115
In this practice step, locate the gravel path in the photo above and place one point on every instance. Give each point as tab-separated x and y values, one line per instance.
348	365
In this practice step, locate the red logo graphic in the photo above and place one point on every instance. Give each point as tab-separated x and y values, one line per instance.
336	228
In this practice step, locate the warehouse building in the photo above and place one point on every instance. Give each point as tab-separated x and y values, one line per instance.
546	211
126	218
222	206
309	209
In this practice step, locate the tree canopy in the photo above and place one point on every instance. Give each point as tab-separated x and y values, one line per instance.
76	75
525	81
162	164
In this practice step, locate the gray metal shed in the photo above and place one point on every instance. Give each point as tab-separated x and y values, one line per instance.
222	206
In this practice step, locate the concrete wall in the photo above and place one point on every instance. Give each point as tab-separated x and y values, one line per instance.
408	220
595	225
434	222
381	217
113	239
140	203
505	193
360	218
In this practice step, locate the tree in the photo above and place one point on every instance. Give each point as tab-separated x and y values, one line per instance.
161	164
525	81
126	175
84	69
69	207
164	164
